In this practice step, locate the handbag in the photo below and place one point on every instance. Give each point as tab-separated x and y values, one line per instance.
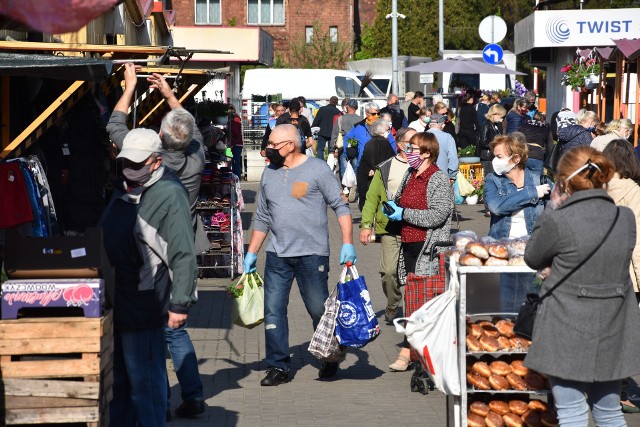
356	324
324	345
551	160
248	308
422	289
523	326
340	139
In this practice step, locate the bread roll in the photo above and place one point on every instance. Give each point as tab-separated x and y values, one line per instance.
500	368
504	343
498	383
516	247
497	250
494	420
512	420
481	383
518	407
477	249
471	260
474	420
534	381
489	330
538	405
532	419
493	261
482	369
473	344
520	343
489	344
517	260
474	330
518	368
499	407
505	328
461	241
479	408
516	382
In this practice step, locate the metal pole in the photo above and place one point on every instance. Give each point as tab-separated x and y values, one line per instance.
394	47
441	25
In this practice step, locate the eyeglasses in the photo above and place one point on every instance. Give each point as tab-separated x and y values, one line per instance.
277	144
373	114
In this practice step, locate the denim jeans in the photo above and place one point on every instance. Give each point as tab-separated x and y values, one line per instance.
236	161
312	275
322	143
139	379
514	288
185	363
573	400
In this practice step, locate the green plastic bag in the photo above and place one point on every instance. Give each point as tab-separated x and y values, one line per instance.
248	300
466	189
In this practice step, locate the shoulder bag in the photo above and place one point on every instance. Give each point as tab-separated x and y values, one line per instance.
552	158
527	315
340	139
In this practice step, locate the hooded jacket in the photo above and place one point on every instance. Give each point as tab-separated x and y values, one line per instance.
573	136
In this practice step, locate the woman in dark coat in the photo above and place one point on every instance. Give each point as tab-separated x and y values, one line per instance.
492	128
376	151
579	134
468	122
586	337
539	140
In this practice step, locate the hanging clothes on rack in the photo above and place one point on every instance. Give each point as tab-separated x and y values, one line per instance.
238	234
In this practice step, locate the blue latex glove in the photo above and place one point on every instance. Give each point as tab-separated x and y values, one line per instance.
348	253
249	264
397	214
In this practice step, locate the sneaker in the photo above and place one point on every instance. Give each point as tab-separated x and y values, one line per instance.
390	314
190	408
328	370
353	194
274	377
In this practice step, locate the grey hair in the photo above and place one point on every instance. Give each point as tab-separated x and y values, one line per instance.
177	129
379	127
584	115
387	116
371	106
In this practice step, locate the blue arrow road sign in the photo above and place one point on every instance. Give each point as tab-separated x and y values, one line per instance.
492	54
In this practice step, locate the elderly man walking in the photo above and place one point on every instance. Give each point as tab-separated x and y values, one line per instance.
295	191
448	156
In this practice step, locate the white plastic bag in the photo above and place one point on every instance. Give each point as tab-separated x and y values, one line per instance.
431	330
248	309
331	162
349	177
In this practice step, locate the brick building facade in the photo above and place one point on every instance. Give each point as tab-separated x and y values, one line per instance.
287	21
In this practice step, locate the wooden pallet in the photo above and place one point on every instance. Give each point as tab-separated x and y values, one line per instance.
56	370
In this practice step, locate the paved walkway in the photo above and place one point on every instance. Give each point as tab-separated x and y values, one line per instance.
363	393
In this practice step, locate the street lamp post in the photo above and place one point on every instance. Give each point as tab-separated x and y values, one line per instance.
394	45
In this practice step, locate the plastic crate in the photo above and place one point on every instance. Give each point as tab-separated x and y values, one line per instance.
472	171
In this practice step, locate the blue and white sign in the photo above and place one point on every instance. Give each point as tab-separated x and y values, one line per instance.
492	54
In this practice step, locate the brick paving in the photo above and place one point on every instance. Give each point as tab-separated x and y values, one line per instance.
364	392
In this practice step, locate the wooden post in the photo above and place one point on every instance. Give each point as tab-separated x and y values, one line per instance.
617	92
624	108
4	81
635	112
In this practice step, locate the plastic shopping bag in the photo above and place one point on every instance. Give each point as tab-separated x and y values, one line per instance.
248	300
465	187
349	177
356	322
431	330
331	162
324	345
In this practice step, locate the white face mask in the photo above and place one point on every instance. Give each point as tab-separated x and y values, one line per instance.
386	134
502	166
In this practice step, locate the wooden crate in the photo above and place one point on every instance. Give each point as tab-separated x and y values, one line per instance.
56	370
472	171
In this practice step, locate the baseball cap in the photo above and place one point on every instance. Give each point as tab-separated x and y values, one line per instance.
353	103
139	144
438	118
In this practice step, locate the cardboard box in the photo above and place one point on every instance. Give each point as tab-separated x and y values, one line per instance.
87	294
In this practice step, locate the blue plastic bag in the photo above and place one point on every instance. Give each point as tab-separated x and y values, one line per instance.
457	197
356	323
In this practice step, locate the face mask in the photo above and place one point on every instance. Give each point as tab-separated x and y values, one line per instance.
414	160
272	113
274	156
137	174
498	121
371	119
386	134
426	120
591	129
501	166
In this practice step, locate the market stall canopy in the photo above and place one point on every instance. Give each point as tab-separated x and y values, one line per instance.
461	65
630	48
55	16
54	67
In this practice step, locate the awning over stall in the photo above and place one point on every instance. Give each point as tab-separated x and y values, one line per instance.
64	67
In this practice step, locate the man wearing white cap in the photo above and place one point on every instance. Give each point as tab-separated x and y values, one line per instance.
148	236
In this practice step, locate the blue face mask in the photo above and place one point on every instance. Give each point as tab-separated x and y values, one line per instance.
592	129
426	120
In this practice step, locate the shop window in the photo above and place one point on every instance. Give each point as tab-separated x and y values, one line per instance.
208	12
265	12
333	34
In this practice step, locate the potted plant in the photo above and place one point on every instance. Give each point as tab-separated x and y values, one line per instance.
581	75
468	155
478	192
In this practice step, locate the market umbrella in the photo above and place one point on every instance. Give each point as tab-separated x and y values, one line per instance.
461	65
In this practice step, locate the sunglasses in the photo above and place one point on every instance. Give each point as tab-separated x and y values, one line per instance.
373	114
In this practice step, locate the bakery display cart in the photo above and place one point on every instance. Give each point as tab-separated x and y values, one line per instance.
479	299
217	207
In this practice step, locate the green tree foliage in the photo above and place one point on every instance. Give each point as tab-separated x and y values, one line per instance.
322	52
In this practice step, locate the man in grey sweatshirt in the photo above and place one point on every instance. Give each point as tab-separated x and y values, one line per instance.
295	191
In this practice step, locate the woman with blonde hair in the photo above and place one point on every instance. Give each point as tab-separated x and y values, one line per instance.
616	129
578	134
492	128
586	337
